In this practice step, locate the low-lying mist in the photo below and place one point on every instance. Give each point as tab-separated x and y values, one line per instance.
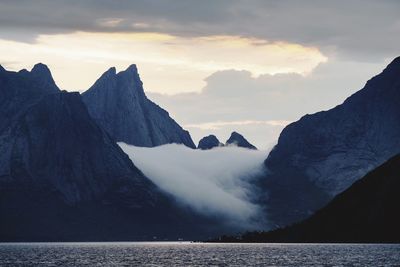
216	182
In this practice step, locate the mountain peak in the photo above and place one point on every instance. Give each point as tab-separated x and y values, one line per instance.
42	73
238	139
324	153
131	74
132	84
108	74
111	70
120	83
209	142
41	68
132	68
119	104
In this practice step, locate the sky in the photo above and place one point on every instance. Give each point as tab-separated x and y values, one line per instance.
251	66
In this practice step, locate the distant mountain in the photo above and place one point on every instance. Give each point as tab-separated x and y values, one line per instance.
118	103
368	211
209	142
322	154
238	140
63	178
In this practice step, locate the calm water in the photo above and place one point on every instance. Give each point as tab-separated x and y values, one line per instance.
196	254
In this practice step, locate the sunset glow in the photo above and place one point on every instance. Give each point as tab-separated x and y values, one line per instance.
168	64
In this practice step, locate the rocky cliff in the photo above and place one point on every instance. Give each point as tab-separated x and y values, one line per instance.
118	103
63	178
322	154
365	212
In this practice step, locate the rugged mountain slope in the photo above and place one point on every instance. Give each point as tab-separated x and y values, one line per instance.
19	89
366	212
238	140
322	154
118	103
209	142
62	177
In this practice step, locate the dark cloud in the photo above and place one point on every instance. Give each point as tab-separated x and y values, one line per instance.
363	29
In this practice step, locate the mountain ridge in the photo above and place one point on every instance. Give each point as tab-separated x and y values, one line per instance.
324	153
137	120
366	212
63	178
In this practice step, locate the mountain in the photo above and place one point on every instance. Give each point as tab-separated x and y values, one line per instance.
63	178
365	212
322	154
238	140
118	103
22	88
209	142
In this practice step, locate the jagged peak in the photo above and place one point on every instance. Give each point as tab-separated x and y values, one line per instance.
132	68
42	74
111	70
235	136
209	142
120	83
41	69
239	140
104	78
131	72
109	73
131	77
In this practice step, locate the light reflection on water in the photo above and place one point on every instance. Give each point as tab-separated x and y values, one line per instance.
197	254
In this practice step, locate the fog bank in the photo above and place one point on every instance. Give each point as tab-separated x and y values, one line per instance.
213	182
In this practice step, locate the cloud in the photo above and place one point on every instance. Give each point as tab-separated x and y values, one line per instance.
235	100
219	124
110	22
168	63
357	36
215	182
361	29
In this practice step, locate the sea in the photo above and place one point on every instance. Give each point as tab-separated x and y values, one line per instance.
197	254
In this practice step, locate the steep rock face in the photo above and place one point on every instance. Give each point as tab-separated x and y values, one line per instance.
238	140
118	103
209	142
365	212
55	141
19	89
322	154
63	178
